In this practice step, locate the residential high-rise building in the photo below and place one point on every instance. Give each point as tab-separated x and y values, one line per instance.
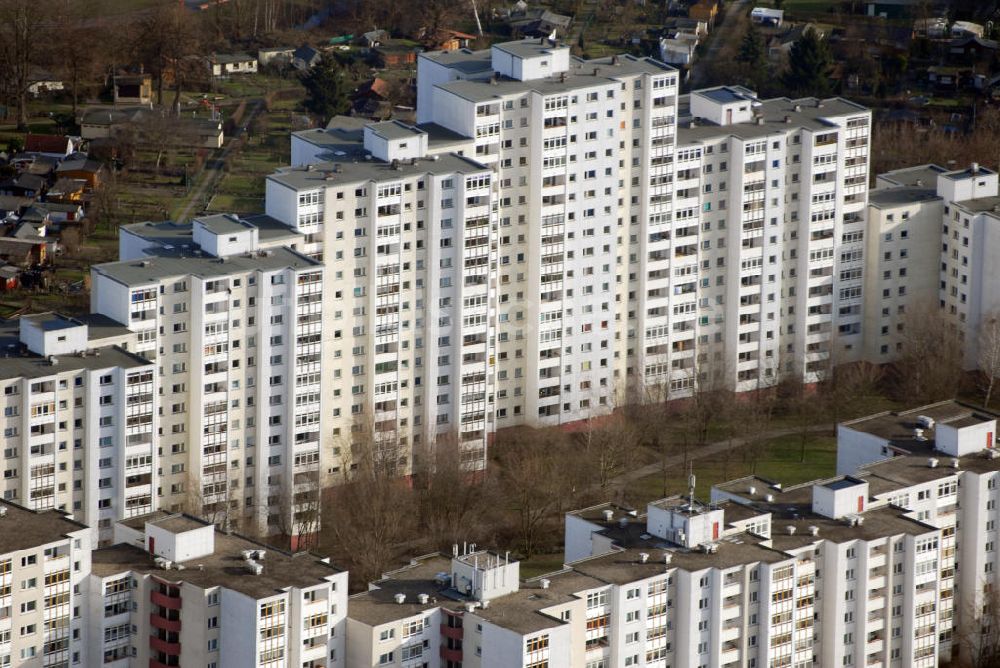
926	216
409	313
645	242
770	196
235	330
175	591
79	418
44	565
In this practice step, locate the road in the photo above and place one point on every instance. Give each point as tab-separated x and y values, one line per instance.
724	34
214	168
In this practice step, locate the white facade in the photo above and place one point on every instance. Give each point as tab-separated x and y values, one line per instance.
175	591
78	420
237	338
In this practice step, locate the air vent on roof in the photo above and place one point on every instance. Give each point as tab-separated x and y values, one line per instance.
769	498
752	490
932	463
667	558
3	511
399	598
954	463
544	583
790	529
813	530
608	515
423	598
643	557
798	108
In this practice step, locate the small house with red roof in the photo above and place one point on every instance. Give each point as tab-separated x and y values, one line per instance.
55	146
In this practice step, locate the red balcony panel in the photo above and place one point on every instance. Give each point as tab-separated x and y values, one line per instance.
153	663
451	632
172	648
451	654
158	622
165	601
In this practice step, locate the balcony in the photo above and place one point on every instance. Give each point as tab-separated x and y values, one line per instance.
172	648
162	600
157	622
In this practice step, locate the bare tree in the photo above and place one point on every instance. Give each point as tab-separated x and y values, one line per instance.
988	355
534	475
978	629
24	25
367	520
929	367
455	504
166	41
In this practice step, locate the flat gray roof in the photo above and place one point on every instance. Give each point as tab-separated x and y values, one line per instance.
322	175
102	327
960	174
918	176
224	567
581	75
16	364
157	268
981	205
51	322
806	113
23	529
884	198
726	94
223	223
529	48
394	130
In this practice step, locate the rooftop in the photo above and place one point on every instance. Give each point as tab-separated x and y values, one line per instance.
51	322
897	427
981	204
582	74
23	529
806	113
224	567
394	130
324	174
224	223
885	198
15	364
156	268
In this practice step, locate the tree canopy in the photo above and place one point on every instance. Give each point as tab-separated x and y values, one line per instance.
326	88
809	66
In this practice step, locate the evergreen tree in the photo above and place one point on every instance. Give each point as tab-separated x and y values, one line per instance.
809	66
753	57
326	88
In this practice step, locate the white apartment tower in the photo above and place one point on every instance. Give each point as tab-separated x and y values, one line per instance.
926	216
772	195
44	565
641	237
409	315
79	419
235	330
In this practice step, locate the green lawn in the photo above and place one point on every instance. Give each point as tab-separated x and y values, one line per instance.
781	462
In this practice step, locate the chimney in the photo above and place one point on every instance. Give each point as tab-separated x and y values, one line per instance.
643	557
791	530
400	598
974	168
544	582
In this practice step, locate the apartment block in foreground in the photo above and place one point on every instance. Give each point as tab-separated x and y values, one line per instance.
175	591
44	563
859	569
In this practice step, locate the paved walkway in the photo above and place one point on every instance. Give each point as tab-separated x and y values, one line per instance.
214	169
724	34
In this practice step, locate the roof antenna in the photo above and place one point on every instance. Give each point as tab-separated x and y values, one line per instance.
691	484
